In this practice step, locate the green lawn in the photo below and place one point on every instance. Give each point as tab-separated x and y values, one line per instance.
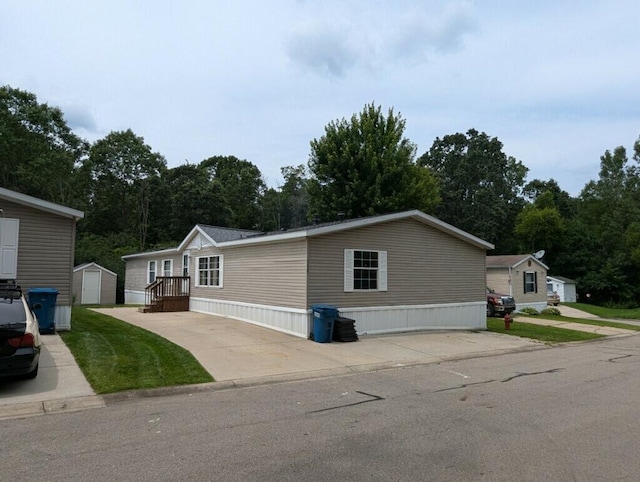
116	356
632	314
549	334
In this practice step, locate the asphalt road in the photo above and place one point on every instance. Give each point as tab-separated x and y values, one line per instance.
562	414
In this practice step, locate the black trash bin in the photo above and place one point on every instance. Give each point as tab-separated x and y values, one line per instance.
323	318
43	304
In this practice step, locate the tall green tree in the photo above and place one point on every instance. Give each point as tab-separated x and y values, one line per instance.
610	207
39	153
120	172
240	187
365	166
481	186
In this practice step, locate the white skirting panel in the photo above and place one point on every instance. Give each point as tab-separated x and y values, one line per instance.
133	297
390	319
288	320
387	319
62	318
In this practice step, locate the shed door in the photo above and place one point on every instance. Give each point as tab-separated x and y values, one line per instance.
91	287
9	248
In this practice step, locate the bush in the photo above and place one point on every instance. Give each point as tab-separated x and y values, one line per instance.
529	310
551	311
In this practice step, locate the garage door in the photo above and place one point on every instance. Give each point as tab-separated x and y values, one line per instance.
91	288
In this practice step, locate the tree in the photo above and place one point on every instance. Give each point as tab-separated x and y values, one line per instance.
365	166
38	151
480	186
192	199
240	187
121	170
610	207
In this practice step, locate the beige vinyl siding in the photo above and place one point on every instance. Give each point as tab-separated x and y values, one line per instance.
498	280
135	278
518	283
108	289
46	245
271	274
424	266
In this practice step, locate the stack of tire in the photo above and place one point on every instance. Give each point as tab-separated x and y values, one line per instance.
344	329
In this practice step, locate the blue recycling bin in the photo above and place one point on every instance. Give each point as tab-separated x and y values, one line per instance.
324	317
43	304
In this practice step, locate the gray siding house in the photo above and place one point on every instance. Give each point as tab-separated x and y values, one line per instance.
391	273
37	245
519	275
94	285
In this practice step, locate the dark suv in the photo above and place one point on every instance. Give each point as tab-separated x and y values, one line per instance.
19	334
499	303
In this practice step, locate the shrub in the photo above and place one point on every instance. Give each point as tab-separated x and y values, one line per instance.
551	311
529	310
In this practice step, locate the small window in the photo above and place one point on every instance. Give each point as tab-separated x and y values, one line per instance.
209	271
530	282
185	265
167	267
365	270
151	272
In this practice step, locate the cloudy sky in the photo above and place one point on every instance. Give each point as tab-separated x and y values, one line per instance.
558	82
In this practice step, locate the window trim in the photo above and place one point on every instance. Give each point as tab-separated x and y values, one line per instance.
164	271
381	271
220	271
534	281
185	266
149	271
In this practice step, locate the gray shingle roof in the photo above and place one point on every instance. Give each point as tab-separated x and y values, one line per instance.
220	235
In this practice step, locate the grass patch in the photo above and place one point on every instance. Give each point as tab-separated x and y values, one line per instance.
584	321
116	356
602	312
549	334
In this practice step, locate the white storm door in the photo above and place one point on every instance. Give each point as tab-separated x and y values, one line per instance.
91	288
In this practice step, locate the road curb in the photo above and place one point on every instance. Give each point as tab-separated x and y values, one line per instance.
33	409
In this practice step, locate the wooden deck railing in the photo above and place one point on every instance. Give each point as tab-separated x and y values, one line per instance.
168	293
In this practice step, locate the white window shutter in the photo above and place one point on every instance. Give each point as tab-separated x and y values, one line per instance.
348	270
382	271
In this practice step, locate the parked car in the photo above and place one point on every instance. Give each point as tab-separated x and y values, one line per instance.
553	298
19	334
500	304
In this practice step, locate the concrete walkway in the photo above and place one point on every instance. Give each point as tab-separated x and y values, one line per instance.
59	386
575	313
245	354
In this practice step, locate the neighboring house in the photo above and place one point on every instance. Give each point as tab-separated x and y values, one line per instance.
521	276
94	285
37	244
565	287
391	273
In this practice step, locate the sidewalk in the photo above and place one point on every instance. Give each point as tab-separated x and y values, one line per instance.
245	354
59	386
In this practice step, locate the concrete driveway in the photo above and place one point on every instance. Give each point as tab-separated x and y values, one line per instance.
59	386
244	354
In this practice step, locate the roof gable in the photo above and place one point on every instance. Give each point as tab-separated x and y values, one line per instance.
512	261
40	204
80	267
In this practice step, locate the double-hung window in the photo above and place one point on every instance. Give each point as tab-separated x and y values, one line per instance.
167	267
530	282
209	271
151	271
185	265
365	270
